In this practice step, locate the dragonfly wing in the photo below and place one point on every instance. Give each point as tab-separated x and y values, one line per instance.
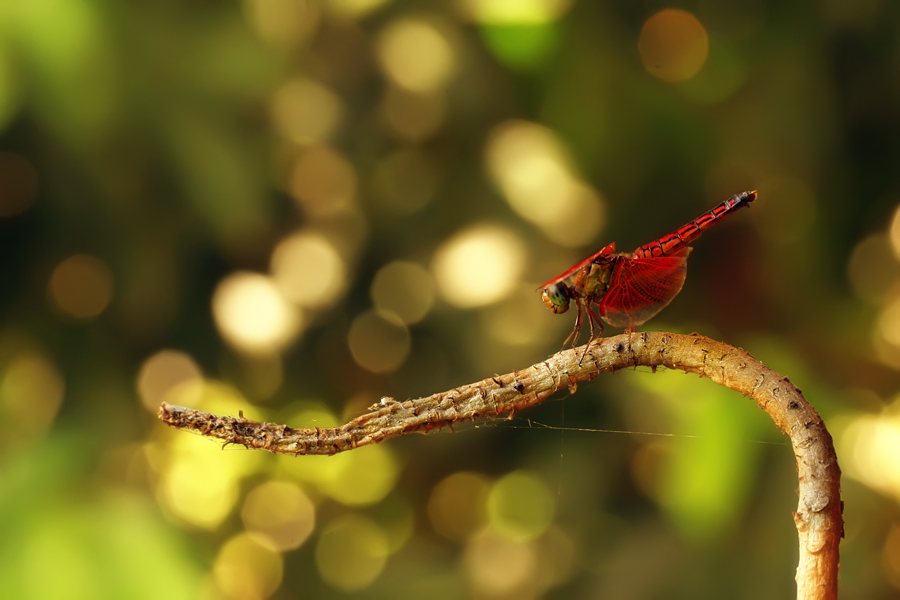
641	287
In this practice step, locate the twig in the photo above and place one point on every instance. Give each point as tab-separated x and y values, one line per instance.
819	514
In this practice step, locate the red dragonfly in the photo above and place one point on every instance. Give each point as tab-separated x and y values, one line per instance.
630	289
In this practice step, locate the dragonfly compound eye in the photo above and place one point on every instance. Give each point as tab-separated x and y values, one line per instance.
556	297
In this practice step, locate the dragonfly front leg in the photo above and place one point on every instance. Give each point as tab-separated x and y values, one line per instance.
573	337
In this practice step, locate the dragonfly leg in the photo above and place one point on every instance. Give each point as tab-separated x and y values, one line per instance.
573	337
595	320
595	323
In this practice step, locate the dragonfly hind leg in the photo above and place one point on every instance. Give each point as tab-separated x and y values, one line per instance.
595	323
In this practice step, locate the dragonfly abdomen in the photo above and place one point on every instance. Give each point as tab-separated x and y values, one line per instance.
672	243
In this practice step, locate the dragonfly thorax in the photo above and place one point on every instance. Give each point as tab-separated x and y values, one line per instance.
586	284
595	279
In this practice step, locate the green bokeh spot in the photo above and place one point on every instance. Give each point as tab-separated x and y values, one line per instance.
521	46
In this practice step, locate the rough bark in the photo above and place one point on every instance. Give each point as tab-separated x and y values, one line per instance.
818	517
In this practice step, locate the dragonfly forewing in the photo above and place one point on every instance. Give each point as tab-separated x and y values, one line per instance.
641	287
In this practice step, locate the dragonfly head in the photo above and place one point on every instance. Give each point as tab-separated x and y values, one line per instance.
556	297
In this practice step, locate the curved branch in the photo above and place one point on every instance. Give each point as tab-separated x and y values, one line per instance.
819	514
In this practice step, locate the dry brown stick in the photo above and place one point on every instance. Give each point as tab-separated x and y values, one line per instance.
819	514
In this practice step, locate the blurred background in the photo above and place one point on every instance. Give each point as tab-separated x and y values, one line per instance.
291	209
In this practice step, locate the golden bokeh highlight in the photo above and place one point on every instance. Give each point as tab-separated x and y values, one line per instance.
869	445
520	506
20	184
245	568
252	314
520	321
166	370
558	559
284	23
351	553
872	269
579	218
498	567
202	501
413	117
354	9
379	341
31	393
886	352
405	289
81	286
196	484
890	559
308	270
305	111
416	56
530	165
889	322
515	12
673	45
281	512
363	480
199	491
533	169
478	266
456	507
323	182
894	233
359	478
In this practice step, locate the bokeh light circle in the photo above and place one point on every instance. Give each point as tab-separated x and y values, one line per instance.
520	506
308	270
405	289
378	341
351	553
81	286
416	56
478	266
323	182
166	370
280	511
246	568
498	567
305	111
456	507
533	168
31	393
673	45
252	314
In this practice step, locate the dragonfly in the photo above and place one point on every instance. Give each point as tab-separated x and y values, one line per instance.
627	290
